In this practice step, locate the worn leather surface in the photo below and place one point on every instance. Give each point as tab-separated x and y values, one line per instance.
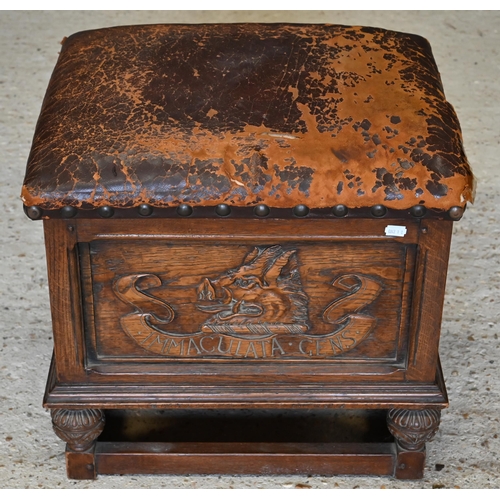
245	114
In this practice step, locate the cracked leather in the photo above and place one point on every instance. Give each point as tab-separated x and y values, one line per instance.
244	114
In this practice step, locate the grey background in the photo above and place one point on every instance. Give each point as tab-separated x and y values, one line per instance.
466	46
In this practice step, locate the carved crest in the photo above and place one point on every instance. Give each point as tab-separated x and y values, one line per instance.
256	310
261	297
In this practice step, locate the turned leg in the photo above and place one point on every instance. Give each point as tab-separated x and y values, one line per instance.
412	428
80	429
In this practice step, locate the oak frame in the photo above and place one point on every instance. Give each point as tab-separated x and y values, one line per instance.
76	385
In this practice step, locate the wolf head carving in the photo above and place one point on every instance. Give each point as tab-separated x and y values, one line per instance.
265	290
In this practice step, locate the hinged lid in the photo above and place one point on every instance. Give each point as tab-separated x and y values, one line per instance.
264	119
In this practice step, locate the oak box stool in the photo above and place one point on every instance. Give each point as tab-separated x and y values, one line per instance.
246	217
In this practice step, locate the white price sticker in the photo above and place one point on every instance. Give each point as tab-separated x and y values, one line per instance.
395	231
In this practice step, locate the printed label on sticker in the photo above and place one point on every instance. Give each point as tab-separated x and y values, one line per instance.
395	231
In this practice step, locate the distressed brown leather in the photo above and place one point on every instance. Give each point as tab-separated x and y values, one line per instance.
244	114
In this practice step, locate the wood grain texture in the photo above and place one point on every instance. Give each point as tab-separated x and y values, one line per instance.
168	278
409	464
179	269
183	255
108	392
245	458
430	282
253	230
65	298
81	465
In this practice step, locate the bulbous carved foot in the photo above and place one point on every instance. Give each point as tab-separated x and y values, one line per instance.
412	428
79	428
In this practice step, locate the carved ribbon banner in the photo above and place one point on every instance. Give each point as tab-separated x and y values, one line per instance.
257	311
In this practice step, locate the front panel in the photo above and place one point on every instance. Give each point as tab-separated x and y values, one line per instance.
177	304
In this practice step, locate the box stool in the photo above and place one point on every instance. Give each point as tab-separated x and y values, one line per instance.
246	217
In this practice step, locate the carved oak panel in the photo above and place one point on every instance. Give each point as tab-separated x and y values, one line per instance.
341	301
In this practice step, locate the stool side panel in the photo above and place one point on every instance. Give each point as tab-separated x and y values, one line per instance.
430	281
65	299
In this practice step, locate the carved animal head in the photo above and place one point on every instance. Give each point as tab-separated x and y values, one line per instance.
266	288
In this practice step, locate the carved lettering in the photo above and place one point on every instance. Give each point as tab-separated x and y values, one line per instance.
223	340
238	348
333	343
302	349
263	345
173	345
202	345
276	348
165	344
351	342
251	349
192	344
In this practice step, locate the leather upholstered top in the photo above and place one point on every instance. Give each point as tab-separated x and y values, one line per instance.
243	114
